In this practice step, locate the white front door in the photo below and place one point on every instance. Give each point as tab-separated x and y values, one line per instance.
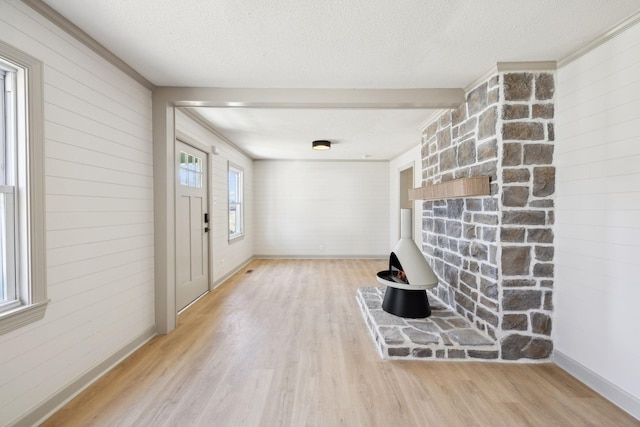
192	243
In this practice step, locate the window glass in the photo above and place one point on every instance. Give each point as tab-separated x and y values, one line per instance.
190	170
23	285
9	291
235	202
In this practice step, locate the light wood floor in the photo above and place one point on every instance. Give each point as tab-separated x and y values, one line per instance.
285	345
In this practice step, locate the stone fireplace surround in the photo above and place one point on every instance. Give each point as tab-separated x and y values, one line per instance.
494	255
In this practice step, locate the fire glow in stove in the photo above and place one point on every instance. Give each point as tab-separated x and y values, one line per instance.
408	277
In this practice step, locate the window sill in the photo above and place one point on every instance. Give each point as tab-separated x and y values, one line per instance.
235	239
21	316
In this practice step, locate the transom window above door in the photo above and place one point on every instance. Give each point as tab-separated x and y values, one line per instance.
190	170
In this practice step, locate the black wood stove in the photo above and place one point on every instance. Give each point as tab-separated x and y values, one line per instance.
408	276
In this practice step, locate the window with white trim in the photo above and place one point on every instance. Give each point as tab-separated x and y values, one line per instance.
8	287
22	241
236	207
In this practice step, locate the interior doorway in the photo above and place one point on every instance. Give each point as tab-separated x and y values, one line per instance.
192	224
406	184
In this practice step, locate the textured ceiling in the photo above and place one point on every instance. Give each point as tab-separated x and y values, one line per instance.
372	134
335	44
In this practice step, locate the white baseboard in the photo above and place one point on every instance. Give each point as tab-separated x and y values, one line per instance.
321	256
606	388
49	406
242	265
224	278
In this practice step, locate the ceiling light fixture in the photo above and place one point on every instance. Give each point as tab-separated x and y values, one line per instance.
321	144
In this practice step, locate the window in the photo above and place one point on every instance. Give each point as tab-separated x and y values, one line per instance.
22	241
236	213
8	288
190	170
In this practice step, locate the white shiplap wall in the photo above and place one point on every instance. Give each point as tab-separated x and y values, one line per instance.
99	217
597	230
321	209
227	257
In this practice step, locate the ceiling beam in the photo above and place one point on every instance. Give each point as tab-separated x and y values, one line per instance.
312	98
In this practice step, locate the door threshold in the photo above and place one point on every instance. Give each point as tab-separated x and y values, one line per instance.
192	302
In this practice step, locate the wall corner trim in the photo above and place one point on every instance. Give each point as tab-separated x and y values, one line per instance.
606	388
73	30
49	406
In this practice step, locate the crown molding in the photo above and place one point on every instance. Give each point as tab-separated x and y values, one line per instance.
73	30
433	116
502	67
621	27
481	79
499	67
197	117
506	67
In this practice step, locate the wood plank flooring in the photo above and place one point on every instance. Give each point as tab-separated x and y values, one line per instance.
283	343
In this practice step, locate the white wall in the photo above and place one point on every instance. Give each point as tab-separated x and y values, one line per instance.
400	163
597	231
227	257
320	209
99	217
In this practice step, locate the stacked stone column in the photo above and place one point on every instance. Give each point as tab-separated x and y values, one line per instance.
494	254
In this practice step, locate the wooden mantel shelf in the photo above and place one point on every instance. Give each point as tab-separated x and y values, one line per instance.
463	187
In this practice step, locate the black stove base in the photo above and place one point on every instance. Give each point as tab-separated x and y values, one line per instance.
412	304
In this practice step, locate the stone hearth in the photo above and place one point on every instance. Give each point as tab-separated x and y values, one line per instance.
443	335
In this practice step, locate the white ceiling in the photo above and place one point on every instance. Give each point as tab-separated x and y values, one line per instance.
334	44
371	134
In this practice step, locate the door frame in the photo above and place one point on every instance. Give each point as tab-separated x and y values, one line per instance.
165	101
185	139
400	171
402	176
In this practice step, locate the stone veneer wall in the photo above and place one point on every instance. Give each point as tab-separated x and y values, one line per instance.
494	254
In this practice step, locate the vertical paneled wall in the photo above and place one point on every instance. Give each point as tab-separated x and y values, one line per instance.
321	208
598	213
99	217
